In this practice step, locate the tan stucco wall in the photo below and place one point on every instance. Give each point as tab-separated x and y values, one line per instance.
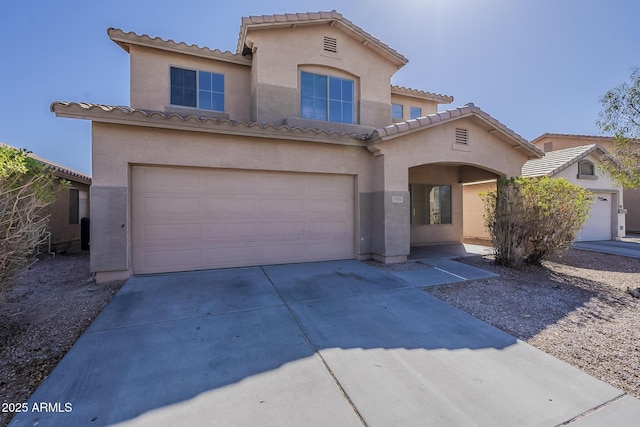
473	221
281	53
428	107
437	145
150	80
117	147
63	234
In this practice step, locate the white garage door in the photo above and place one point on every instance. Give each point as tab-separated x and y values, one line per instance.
598	227
192	218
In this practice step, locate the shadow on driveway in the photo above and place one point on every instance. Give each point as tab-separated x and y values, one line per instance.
334	343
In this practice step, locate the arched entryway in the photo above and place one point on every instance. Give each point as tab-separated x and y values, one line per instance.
438	212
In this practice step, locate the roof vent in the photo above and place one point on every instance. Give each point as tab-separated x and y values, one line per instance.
330	45
586	168
462	136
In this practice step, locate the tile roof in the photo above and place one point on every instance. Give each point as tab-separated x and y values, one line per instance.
567	135
202	123
289	19
398	129
59	169
556	161
195	122
123	40
400	90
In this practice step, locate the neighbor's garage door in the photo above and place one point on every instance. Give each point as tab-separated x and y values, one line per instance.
192	218
598	227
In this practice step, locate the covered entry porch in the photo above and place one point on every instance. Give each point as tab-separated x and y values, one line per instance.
438	211
420	168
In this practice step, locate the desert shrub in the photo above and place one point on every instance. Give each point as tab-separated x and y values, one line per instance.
530	218
26	190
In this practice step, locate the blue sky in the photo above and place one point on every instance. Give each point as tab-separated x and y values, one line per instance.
535	65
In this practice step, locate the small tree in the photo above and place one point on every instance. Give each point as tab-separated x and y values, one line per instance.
530	218
26	190
621	117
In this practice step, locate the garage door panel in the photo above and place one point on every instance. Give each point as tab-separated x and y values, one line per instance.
598	225
230	231
281	184
167	233
161	261
283	253
326	185
232	206
231	256
233	218
290	230
230	182
281	206
162	205
166	180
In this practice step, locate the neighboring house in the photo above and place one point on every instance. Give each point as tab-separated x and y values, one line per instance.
554	141
280	152
579	165
70	206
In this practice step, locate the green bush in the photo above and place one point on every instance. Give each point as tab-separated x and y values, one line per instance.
26	190
530	218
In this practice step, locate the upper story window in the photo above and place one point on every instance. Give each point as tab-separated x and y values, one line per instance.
397	112
197	89
326	98
416	112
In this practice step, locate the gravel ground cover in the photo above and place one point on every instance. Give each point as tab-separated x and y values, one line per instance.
575	307
50	306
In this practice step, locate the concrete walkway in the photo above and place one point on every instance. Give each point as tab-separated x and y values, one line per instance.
334	343
629	248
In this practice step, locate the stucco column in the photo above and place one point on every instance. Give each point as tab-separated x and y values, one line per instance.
390	208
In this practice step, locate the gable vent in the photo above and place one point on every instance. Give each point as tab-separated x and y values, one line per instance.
462	136
330	44
586	168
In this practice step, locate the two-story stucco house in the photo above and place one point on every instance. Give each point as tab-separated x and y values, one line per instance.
279	152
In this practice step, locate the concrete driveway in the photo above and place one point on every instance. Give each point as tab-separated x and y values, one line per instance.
333	343
629	247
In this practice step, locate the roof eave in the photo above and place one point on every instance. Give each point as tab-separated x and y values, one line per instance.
419	94
192	123
405	128
125	40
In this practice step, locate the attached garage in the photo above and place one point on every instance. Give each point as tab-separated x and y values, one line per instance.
195	218
598	225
